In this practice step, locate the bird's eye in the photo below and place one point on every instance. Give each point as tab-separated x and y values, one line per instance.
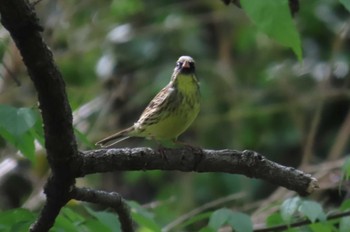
179	64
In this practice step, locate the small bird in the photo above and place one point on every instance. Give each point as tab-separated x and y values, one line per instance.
170	112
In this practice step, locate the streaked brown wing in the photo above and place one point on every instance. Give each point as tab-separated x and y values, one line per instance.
151	114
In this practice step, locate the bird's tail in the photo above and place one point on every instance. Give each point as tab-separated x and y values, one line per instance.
115	138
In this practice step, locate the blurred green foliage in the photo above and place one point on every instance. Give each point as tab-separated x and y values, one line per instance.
116	55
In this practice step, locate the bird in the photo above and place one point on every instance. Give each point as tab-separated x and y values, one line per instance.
170	112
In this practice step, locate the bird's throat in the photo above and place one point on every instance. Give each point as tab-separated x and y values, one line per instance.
186	84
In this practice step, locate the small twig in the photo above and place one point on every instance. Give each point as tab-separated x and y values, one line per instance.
301	223
198	210
109	199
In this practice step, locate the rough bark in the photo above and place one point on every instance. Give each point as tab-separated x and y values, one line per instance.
248	163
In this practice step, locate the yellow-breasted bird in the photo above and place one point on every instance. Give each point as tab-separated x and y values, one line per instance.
170	112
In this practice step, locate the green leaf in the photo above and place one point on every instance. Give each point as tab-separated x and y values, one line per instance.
219	218
15	216
92	225
344	224
16	220
146	222
26	146
345	205
16	121
288	208
312	210
207	229
274	18
197	218
72	215
274	219
7	136
143	217
17	127
38	132
346	4
139	209
25	143
62	223
321	227
110	220
346	169
240	222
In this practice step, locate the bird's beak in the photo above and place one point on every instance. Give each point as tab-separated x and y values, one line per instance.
186	64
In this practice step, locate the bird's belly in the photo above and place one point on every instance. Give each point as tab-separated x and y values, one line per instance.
173	124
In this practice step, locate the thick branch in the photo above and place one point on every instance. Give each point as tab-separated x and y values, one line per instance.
108	199
52	207
19	18
248	163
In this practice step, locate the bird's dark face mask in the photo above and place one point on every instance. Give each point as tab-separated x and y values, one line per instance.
185	67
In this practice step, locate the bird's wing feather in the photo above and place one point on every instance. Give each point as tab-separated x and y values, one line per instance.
151	113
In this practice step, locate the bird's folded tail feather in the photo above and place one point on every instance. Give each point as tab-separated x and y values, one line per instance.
115	138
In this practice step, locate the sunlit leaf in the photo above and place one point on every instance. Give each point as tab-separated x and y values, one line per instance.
321	227
274	18
274	219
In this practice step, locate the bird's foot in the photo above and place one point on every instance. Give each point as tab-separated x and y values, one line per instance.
162	151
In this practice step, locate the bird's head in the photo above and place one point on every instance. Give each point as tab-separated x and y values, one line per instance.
185	65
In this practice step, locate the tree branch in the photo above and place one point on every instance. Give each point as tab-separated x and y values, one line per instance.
107	199
19	18
248	163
